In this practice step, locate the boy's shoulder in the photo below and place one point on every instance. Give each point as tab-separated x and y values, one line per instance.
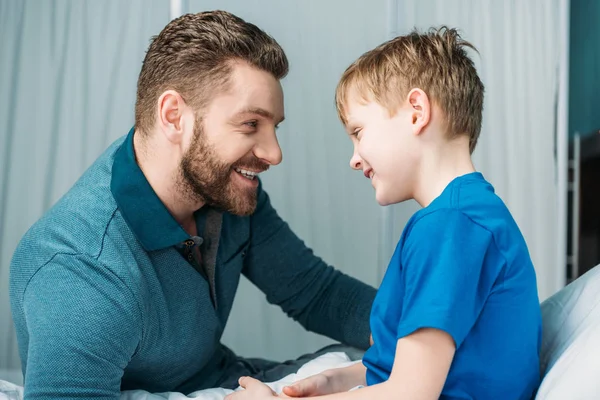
470	196
468	209
465	193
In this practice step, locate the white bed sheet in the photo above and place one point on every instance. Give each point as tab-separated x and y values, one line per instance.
12	391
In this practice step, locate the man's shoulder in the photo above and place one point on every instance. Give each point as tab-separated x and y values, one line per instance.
76	224
80	217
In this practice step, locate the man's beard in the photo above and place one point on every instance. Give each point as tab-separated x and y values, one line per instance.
205	178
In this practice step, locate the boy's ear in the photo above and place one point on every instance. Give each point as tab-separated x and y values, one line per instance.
420	110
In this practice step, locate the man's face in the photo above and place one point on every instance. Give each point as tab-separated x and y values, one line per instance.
233	141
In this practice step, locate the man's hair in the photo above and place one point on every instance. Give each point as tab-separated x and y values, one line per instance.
436	62
194	55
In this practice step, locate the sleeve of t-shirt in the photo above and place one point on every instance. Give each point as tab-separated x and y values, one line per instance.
83	325
447	281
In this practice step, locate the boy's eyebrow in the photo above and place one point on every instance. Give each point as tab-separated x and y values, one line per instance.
351	127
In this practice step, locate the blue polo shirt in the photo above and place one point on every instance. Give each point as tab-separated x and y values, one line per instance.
462	266
104	300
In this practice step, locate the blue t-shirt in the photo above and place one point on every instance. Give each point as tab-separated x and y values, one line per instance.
462	266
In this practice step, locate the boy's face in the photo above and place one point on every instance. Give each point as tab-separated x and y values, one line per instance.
385	149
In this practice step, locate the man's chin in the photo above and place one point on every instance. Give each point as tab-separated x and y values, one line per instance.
240	210
244	212
243	204
245	208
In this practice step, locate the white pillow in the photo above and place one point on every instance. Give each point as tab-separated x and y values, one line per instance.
570	357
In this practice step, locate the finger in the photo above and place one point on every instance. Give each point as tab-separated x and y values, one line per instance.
300	388
291	391
245	381
250	383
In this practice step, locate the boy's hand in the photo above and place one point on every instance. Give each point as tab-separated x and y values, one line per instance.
316	385
328	382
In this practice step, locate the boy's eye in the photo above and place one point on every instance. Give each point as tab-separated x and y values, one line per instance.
251	124
357	133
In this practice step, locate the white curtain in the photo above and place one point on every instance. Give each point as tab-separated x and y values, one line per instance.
68	71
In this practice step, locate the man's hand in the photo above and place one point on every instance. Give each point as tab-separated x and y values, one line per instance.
254	390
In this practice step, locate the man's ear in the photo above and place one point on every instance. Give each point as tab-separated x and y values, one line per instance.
170	115
420	109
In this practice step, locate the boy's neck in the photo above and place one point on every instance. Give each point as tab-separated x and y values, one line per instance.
439	166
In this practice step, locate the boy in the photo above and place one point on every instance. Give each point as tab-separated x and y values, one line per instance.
457	315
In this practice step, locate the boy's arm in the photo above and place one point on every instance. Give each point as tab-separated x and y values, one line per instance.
328	382
421	365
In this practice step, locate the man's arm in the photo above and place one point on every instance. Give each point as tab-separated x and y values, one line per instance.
83	328
322	299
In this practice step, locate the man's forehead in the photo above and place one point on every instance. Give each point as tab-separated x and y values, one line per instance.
256	92
242	103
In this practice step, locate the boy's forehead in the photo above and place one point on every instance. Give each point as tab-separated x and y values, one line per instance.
352	115
357	115
358	108
355	96
353	105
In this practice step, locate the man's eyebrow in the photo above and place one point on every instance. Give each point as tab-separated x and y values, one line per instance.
262	112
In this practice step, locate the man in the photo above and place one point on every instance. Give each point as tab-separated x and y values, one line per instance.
128	281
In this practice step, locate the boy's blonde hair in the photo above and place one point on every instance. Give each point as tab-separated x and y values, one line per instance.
435	62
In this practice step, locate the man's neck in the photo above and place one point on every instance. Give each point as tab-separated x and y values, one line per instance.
440	166
161	171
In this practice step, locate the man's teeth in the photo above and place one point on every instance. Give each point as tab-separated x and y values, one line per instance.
246	173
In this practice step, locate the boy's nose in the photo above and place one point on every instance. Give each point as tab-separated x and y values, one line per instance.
356	161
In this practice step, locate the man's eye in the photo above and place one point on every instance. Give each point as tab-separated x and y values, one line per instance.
251	124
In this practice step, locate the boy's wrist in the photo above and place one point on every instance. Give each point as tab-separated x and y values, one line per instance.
344	379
